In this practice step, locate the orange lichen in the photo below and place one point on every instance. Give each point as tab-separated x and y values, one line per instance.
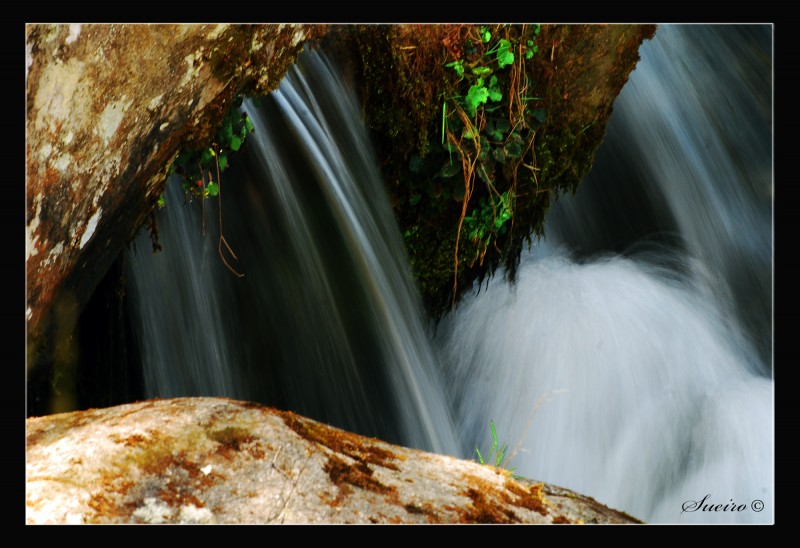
561	519
356	447
426	509
357	474
132	440
233	440
531	499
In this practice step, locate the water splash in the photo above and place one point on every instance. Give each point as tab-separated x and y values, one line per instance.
642	327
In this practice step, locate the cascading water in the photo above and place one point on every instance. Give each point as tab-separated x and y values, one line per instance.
631	361
648	367
326	320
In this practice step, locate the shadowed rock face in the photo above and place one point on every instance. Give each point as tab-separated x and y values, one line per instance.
108	108
208	460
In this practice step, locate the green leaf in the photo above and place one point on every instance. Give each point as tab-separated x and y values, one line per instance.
503	125
504	55
492	132
505	58
449	170
223	162
212	189
227	132
414	200
481	71
499	155
457	66
444	119
528	54
249	124
513	149
236	143
483	173
540	114
161	201
495	94
485	34
206	157
475	96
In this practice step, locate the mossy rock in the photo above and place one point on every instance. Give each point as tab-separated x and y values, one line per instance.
564	93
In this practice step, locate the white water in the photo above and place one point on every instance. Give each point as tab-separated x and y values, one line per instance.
651	393
647	398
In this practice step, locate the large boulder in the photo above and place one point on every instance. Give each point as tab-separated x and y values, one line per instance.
208	460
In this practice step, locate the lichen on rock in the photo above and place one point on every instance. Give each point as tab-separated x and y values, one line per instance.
211	460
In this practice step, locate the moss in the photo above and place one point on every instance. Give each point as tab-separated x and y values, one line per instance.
403	82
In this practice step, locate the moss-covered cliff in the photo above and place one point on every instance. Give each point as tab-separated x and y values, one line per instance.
479	128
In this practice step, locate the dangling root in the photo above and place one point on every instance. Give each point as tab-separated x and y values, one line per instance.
222	239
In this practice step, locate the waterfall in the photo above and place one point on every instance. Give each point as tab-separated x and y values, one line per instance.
631	361
326	320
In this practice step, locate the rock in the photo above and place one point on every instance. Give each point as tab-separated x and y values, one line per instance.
407	88
209	460
108	108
